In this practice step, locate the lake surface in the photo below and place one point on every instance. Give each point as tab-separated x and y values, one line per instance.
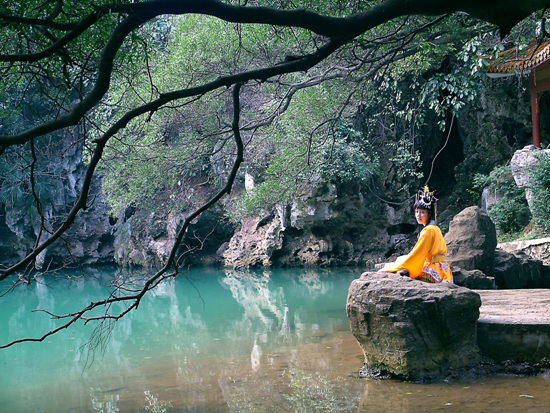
220	341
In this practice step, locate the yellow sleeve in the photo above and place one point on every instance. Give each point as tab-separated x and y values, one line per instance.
414	261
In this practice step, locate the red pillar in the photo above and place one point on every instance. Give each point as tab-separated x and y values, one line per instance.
535	116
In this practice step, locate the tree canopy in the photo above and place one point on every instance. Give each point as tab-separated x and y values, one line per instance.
164	92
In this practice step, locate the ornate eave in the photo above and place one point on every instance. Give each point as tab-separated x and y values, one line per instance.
515	61
534	60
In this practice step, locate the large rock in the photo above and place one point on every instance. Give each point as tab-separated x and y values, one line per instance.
521	165
516	270
471	241
411	329
538	249
474	279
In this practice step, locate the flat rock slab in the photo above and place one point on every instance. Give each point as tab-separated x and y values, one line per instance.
515	306
515	325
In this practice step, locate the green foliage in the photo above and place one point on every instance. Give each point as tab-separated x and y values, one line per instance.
350	128
337	127
282	178
137	175
540	201
449	93
395	132
349	158
184	142
510	213
406	160
34	92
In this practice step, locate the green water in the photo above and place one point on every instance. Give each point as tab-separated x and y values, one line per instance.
220	341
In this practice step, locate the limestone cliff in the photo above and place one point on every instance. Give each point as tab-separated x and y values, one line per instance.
88	241
324	226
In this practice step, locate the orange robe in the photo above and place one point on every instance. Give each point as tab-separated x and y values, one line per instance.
427	260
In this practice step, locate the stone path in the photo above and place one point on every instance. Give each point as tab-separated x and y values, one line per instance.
515	306
514	325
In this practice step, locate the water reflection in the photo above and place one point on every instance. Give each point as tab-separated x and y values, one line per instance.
217	341
310	281
260	299
255	356
104	401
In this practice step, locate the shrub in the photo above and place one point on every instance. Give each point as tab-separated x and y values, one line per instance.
510	213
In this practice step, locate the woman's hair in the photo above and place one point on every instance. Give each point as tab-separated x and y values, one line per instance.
425	199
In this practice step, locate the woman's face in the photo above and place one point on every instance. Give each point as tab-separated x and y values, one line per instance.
421	216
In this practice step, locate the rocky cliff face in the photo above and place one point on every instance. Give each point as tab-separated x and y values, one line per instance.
146	239
324	226
90	240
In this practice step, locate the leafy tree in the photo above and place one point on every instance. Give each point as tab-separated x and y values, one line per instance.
99	66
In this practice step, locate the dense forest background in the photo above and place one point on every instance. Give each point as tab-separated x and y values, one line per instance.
165	134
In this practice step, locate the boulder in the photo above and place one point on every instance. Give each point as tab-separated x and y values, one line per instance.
471	241
411	329
538	249
516	270
521	165
473	279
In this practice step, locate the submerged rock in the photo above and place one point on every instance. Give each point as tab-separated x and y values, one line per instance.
411	329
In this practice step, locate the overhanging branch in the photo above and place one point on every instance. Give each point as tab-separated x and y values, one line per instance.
154	280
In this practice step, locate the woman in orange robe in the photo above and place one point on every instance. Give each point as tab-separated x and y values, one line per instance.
427	261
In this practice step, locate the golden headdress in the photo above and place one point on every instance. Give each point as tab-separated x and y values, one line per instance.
425	199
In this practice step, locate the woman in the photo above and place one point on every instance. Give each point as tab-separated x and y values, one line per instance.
427	260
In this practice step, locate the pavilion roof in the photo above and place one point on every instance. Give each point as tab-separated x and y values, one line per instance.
512	60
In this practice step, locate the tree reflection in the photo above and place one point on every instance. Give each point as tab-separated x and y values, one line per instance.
202	341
